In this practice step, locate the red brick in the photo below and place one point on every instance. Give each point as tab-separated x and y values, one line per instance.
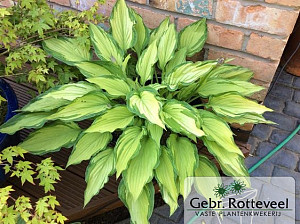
257	17
266	47
218	35
139	1
61	2
189	7
151	19
293	3
6	3
263	71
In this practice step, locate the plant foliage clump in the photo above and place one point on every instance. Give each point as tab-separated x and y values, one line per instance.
22	29
149	106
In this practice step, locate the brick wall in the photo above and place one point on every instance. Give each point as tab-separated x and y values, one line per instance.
253	32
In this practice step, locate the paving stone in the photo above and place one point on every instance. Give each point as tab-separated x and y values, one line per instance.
253	142
264	170
285	78
264	148
251	160
296	82
274	103
285	158
282	92
164	211
156	219
292	109
278	136
284	172
296	97
283	219
262	131
297	208
282	121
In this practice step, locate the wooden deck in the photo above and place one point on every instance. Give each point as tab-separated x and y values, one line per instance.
70	190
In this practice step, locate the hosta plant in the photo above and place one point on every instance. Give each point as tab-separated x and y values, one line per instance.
149	107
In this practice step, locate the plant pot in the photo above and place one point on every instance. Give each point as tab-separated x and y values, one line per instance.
12	105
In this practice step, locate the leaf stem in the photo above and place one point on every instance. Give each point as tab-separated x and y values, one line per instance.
194	98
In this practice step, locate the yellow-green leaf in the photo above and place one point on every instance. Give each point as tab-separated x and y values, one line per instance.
87	146
155	132
144	104
193	37
178	59
248	118
232	72
98	171
116	118
157	33
114	86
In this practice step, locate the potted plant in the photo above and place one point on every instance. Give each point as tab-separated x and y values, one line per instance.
149	107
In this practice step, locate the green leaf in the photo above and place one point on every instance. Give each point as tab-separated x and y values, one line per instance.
178	59
105	46
143	33
233	105
97	173
167	46
157	33
24	120
232	72
220	86
187	92
99	68
145	64
144	104
87	106
188	73
248	118
181	118
114	86
140	168
166	178
193	37
218	130
141	209
116	118
87	146
127	147
232	164
155	132
122	25
51	138
67	50
185	158
207	169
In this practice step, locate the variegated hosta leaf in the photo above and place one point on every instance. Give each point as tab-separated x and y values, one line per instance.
166	178
67	50
193	37
232	72
220	86
24	120
157	86
51	138
84	107
155	132
218	130
105	46
248	118
88	145
181	118
145	64
187	92
185	158
128	146
100	68
122	25
179	58
159	31
114	86
207	169
233	105
140	168
232	164
99	169
141	209
143	33
59	96
167	46
144	104
188	73
117	118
